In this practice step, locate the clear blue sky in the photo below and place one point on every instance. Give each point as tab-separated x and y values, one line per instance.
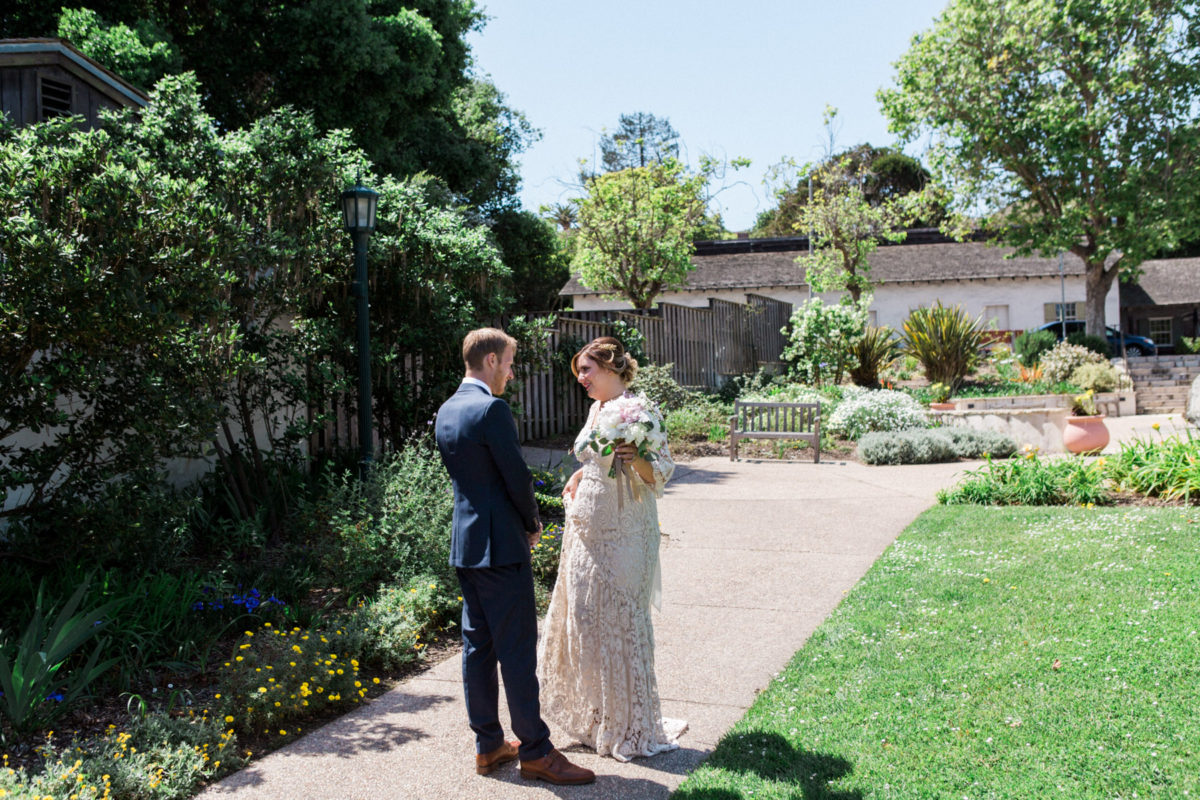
735	79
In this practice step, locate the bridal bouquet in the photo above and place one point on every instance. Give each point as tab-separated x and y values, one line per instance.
627	419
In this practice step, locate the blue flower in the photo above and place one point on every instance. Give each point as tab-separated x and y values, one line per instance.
252	603
198	605
56	697
540	483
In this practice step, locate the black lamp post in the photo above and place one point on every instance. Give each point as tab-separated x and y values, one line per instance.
358	211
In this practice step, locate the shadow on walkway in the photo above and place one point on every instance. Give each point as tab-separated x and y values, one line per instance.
773	758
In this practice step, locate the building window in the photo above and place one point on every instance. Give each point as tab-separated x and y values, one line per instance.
56	98
1052	311
997	315
1161	331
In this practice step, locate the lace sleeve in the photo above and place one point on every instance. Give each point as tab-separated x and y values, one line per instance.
663	466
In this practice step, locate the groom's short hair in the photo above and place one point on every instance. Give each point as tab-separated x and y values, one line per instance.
482	341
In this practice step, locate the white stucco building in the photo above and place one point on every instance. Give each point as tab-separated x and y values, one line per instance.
1014	294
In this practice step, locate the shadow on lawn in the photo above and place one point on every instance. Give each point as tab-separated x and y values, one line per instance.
773	758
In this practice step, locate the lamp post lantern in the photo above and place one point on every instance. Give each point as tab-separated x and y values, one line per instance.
358	213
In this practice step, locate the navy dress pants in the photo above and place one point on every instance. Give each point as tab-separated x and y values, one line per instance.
499	624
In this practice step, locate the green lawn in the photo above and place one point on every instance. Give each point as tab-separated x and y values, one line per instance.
1012	652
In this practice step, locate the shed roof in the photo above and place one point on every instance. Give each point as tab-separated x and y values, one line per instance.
30	52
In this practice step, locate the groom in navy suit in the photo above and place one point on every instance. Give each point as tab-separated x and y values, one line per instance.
495	526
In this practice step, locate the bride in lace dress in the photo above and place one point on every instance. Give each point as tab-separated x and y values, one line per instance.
596	659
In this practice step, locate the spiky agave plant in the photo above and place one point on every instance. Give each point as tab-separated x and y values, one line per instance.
875	351
945	340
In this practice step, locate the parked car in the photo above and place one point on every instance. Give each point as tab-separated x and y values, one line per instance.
1134	345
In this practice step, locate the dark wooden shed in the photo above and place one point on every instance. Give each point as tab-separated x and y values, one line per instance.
44	78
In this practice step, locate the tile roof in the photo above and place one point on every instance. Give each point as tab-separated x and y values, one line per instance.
1164	282
926	257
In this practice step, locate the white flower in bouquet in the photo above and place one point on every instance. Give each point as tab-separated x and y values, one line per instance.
628	419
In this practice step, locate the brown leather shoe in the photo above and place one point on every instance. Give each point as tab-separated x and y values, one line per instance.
554	768
487	762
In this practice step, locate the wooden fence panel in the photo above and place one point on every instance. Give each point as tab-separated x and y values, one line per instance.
767	318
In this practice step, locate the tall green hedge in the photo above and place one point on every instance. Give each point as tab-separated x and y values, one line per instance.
168	288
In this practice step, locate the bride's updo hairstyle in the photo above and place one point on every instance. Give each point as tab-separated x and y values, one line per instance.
610	354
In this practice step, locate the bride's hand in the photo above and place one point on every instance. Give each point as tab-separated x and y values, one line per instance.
627	452
568	491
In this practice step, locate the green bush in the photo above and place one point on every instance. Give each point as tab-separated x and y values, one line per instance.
971	443
1168	468
660	387
1031	345
1065	358
876	350
38	685
866	410
705	420
1096	377
1097	344
905	447
392	624
389	528
159	756
1028	480
946	341
1189	344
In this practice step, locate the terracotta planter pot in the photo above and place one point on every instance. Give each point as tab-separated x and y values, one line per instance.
1085	434
942	406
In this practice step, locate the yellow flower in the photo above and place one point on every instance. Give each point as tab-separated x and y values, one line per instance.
229	718
374	680
1155	426
283	733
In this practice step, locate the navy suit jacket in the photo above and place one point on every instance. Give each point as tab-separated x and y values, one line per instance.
494	505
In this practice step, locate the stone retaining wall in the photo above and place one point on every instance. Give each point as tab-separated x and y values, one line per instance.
1113	404
1034	427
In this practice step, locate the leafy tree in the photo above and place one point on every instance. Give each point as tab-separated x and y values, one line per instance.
1074	124
139	56
397	73
636	229
885	174
536	258
640	140
846	228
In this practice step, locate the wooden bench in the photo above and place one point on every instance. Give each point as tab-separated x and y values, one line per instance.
775	421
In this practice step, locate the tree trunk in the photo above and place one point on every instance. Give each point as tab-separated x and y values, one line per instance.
1098	281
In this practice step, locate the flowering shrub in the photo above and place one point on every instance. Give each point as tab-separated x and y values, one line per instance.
1058	363
161	757
274	677
1096	377
545	556
864	410
820	337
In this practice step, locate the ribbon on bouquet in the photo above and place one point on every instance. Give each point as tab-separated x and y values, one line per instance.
628	481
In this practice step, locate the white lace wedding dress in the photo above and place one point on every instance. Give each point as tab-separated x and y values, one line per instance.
596	657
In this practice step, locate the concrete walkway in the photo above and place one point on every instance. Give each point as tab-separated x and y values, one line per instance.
755	556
